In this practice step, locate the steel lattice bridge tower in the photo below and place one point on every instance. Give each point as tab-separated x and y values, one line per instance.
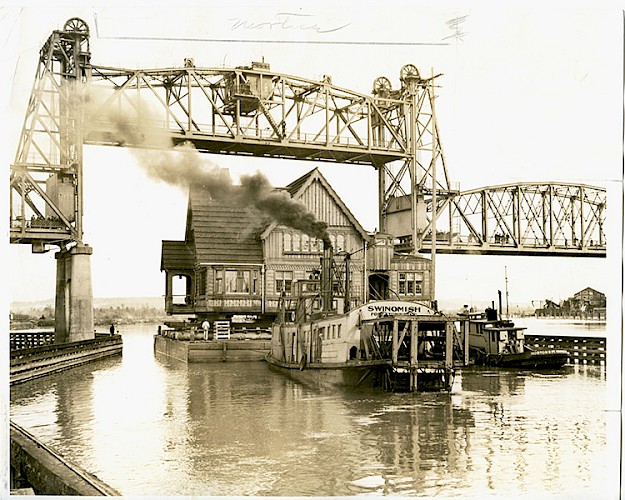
251	110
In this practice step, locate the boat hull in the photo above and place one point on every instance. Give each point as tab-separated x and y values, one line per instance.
553	358
374	374
357	374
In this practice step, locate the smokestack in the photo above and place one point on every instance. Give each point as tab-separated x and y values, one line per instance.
326	277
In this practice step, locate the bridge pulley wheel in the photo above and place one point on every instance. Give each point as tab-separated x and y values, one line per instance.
76	25
382	87
409	72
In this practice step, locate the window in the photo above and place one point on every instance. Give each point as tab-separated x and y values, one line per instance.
322	332
297	242
284	281
314	245
201	282
338	332
219	281
255	282
287	242
340	243
333	240
237	281
410	283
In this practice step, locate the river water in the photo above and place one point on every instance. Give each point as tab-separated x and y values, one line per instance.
148	425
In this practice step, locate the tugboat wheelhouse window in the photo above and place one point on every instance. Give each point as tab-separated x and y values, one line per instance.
410	283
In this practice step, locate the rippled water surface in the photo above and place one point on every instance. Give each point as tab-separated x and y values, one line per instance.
147	425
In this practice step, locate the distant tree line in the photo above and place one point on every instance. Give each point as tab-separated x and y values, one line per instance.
44	317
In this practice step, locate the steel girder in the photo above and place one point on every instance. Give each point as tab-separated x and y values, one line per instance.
46	176
253	111
247	110
558	219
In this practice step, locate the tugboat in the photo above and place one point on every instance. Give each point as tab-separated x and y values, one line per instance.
498	342
389	344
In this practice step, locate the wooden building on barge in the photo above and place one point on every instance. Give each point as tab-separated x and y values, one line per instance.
235	263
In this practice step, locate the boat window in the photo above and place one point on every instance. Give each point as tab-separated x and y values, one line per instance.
410	283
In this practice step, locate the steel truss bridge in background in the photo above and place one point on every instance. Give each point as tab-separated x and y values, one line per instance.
544	219
254	111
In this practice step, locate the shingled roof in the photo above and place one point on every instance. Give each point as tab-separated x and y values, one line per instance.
176	255
223	232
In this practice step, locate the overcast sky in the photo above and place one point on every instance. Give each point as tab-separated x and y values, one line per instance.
526	95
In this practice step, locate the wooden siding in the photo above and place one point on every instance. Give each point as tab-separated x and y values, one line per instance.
319	201
411	264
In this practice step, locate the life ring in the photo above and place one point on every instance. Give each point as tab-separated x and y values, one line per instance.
302	362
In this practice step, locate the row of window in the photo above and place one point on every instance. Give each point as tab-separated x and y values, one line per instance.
247	282
296	242
410	283
237	281
330	332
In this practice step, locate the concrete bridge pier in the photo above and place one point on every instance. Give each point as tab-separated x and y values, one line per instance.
73	315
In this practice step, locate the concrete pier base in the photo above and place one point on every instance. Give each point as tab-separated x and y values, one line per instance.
73	320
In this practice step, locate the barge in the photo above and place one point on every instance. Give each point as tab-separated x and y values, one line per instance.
191	346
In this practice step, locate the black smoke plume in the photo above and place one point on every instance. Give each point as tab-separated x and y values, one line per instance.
183	166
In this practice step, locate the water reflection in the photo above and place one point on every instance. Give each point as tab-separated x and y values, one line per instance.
153	426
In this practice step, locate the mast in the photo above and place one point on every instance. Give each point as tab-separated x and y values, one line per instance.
506	276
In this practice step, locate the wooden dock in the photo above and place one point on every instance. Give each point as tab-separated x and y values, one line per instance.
34	362
582	350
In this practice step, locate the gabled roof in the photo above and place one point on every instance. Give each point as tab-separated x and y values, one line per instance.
588	289
223	232
176	255
299	186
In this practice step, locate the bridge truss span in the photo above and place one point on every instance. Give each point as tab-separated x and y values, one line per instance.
252	110
547	219
246	110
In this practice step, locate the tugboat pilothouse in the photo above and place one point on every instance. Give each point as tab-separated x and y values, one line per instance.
390	344
498	342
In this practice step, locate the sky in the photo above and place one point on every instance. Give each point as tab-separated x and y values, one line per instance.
527	95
